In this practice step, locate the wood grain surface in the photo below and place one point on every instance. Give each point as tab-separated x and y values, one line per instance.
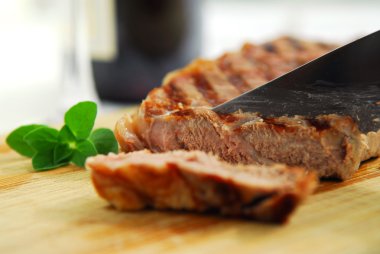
59	212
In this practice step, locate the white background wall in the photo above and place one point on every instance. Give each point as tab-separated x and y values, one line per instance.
228	23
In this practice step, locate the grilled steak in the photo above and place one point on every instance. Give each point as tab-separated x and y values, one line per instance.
194	180
177	115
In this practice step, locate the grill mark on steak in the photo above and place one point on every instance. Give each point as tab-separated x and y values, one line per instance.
228	118
218	81
270	47
260	58
242	70
325	46
205	89
286	203
233	75
189	94
256	201
296	44
275	124
239	83
184	112
285	58
288	47
279	126
319	125
174	93
153	109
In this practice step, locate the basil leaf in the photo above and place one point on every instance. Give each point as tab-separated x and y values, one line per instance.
16	141
104	141
50	148
44	161
83	150
80	119
42	139
66	136
62	153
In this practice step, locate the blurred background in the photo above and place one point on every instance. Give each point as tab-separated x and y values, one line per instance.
54	53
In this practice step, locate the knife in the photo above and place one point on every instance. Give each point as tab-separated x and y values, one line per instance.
345	81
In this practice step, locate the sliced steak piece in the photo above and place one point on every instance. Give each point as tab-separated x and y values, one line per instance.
177	115
199	182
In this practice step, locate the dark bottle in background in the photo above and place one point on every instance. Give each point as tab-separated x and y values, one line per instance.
139	42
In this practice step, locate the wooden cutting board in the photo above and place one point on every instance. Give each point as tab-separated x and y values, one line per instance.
59	212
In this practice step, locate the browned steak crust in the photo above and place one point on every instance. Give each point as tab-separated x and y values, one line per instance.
199	182
177	115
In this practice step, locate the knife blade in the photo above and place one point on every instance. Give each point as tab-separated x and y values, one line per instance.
345	81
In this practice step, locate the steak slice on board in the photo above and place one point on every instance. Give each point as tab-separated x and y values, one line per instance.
196	181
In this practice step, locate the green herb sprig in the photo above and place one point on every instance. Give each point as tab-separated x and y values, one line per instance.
74	142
